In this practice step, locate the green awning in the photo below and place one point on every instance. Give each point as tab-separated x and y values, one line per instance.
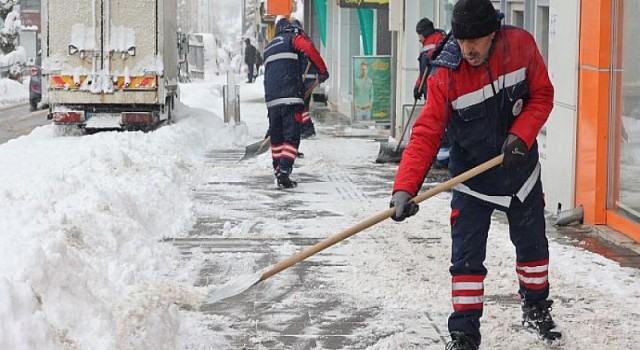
366	29
321	11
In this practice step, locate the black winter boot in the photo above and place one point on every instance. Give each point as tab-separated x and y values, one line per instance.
283	181
536	318
308	131
461	341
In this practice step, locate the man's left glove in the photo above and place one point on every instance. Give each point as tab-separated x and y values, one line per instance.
404	208
514	150
322	77
417	93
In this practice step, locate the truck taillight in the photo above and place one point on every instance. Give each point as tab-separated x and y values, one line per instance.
35	71
68	117
129	118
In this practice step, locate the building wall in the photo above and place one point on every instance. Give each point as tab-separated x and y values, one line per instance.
558	142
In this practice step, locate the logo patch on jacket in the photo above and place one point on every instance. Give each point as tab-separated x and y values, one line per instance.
517	107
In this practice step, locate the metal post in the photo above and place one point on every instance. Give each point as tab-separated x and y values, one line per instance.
231	99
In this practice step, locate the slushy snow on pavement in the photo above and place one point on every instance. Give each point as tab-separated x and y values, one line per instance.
84	264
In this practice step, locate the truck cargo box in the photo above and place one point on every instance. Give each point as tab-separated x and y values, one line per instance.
110	59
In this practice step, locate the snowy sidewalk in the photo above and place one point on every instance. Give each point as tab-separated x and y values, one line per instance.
104	237
385	288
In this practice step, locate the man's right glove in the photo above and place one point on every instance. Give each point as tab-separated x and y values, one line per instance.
322	77
515	151
404	208
417	93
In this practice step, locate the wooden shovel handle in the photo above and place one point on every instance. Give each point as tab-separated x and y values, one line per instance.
328	242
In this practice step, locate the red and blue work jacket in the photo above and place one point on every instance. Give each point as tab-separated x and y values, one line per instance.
283	83
511	93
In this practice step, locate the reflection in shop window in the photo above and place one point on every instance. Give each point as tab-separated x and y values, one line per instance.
446	9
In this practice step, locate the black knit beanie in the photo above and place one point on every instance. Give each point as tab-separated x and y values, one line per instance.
425	27
474	19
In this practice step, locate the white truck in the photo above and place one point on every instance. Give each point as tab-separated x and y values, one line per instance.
110	64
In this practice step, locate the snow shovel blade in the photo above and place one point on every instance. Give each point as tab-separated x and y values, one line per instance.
256	149
232	288
390	153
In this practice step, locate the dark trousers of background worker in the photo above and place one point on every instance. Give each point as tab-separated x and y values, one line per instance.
441	160
285	136
250	76
470	220
307	129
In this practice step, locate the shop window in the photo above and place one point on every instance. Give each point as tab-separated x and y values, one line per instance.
542	31
515	14
445	10
30	5
624	134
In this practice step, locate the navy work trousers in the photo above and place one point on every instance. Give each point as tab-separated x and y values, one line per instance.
285	136
470	220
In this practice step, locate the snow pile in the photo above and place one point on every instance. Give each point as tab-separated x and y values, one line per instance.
82	222
12	92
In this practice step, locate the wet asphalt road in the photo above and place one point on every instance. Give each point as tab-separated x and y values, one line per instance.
20	120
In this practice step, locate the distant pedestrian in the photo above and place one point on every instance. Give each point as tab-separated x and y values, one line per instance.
491	87
284	94
249	59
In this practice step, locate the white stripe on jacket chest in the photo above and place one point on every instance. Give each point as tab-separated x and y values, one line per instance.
485	92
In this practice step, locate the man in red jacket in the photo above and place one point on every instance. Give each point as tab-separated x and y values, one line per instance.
490	87
430	38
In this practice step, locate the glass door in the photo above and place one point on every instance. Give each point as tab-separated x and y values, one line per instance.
624	132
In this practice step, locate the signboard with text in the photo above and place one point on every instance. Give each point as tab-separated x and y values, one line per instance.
363	3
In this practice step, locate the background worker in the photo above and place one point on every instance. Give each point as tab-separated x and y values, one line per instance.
284	94
430	38
311	81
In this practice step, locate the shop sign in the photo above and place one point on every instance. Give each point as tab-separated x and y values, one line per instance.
363	3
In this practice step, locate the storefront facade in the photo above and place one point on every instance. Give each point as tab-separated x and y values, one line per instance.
608	147
590	146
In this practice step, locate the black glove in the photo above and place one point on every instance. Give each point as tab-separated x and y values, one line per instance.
322	77
515	151
404	208
417	93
